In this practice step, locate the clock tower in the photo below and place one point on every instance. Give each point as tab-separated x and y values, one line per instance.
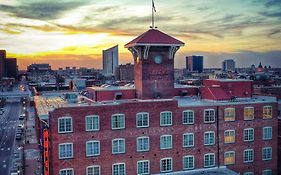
153	54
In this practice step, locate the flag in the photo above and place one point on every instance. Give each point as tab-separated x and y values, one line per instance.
153	6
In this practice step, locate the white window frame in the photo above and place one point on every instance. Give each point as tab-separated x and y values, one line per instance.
213	121
93	129
142	173
171	146
244	134
210	132
119	152
214	163
248	173
141	116
93	166
120	127
226	116
92	141
184	117
263	153
118	164
265	172
184	163
166	171
166	124
265	134
249	107
63	118
229	152
263	112
138	141
244	156
66	169
72	152
229	131
183	140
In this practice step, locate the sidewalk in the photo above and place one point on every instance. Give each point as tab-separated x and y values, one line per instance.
31	147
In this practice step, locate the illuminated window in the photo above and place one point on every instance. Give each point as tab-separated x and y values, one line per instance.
166	142
143	144
248	155
118	169
249	113
142	120
209	160
249	134
188	162
68	171
188	140
229	136
118	121
267	153
143	167
166	118
209	138
267	112
209	116
229	158
93	170
229	114
267	133
64	124
188	117
92	123
166	165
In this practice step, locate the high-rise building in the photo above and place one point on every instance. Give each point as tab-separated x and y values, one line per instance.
2	63
194	63
228	65
8	66
110	60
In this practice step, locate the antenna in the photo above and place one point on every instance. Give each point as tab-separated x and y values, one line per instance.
152	15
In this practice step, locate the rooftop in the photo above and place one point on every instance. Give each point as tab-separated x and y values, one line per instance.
154	37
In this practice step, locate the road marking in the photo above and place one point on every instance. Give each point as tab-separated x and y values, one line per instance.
9	149
4	166
2	149
4	161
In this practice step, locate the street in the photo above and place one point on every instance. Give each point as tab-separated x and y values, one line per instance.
8	127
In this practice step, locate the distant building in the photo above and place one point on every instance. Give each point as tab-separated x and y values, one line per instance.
125	72
8	66
194	63
110	60
40	73
228	65
260	68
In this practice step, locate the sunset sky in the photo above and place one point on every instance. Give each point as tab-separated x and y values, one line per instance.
74	32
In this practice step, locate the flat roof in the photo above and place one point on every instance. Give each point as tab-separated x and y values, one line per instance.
111	88
231	80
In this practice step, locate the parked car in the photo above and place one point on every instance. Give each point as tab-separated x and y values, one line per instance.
1	111
21	126
18	136
21	117
19	131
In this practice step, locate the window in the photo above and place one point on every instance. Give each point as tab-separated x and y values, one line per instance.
93	170
267	153
143	144
188	162
68	171
267	133
166	142
166	165
142	120
229	114
188	140
209	160
229	158
92	123
249	113
166	118
248	134
65	150
209	116
267	112
229	136
65	124
248	155
209	138
118	146
188	117
267	172
143	167
248	173
118	121
92	148
118	169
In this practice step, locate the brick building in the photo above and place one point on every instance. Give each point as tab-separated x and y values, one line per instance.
8	66
125	72
158	127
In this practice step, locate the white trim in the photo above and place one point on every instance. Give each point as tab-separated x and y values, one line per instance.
188	133
141	161
249	161
118	127
117	164
210	109
166	158
229	152
171	118
183	117
72	152
91	116
93	141
116	140
268	147
266	171
167	135
230	130
143	137
187	156
209	132
268	106
209	154
253	134
234	114
93	166
249	107
66	169
248	173
65	117
266	127
141	113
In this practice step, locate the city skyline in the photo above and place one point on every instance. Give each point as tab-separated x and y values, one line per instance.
74	32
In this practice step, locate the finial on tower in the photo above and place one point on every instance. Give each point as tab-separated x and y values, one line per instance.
152	16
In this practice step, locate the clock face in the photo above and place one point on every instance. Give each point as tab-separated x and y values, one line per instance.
158	59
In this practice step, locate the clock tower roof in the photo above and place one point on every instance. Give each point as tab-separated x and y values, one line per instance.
154	37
